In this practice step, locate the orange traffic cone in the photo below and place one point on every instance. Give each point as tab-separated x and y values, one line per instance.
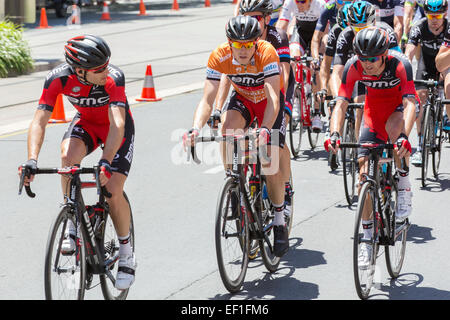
105	13
175	5
43	23
148	92
142	11
207	3
234	2
58	115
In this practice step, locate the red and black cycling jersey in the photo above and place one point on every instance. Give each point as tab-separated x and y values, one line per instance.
447	36
430	43
91	101
384	92
344	46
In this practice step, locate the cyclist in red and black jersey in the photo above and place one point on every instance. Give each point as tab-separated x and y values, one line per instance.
97	90
388	78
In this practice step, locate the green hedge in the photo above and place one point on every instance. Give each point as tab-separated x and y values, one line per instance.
15	54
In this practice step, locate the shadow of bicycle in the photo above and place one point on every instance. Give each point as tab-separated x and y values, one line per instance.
417	234
437	185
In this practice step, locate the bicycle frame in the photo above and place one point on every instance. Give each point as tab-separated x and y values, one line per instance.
303	75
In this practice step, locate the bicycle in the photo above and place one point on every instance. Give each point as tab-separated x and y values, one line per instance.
243	214
432	132
69	275
378	195
349	158
303	105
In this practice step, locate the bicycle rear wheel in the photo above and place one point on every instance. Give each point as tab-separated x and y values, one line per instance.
349	162
232	237
437	142
296	128
109	244
313	137
395	254
266	245
363	276
427	132
65	274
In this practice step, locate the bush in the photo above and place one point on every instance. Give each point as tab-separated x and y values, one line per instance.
14	51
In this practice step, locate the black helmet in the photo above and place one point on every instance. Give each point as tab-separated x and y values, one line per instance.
371	42
361	12
435	6
87	52
243	28
264	6
342	16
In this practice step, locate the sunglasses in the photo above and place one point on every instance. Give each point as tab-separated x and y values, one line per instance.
100	69
301	1
239	45
436	16
358	29
258	17
369	59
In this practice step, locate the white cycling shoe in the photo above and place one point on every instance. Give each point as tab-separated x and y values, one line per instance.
365	255
126	272
316	124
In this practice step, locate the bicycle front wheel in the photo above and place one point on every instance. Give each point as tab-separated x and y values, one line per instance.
364	274
349	162
437	142
109	242
232	237
296	128
65	274
427	132
313	137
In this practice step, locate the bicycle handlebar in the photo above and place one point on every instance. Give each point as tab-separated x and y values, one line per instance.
366	145
302	59
430	83
356	105
74	170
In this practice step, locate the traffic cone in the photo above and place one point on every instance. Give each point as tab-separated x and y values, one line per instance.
175	5
105	13
207	3
142	11
43	23
58	115
234	2
148	92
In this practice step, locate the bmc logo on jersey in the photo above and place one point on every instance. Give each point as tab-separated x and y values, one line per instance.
381	84
249	81
89	102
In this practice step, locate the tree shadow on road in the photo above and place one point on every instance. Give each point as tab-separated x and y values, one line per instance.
406	287
281	284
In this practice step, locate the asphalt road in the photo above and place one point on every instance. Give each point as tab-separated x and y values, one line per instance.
174	207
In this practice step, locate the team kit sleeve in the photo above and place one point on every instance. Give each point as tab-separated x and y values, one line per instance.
415	35
270	62
52	88
349	78
446	41
213	68
342	48
283	49
116	88
404	72
325	16
288	10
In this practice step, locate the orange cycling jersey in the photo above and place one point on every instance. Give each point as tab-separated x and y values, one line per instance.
248	80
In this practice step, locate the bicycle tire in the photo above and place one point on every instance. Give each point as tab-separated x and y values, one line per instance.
395	254
266	217
313	137
426	144
363	279
239	258
296	125
349	165
109	238
437	143
76	288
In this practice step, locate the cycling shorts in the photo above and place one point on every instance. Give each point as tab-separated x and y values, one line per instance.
250	110
94	135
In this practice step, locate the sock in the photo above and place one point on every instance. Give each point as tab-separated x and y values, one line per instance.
367	229
279	215
403	179
125	245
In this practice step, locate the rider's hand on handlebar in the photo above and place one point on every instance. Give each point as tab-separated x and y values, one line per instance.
30	166
105	171
333	142
189	138
315	64
214	120
403	146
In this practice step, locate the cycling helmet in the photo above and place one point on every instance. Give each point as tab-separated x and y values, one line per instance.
87	52
371	42
243	28
361	12
435	6
264	6
342	16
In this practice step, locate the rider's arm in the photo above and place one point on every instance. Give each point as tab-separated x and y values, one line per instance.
398	27
410	51
272	90
325	71
116	132
315	44
404	72
224	89
204	108
415	38
36	132
407	16
285	68
286	14
443	58
236	8
335	80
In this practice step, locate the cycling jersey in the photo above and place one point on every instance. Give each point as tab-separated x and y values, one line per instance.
344	47
276	5
446	41
328	15
248	80
279	39
91	124
387	9
430	44
333	35
306	21
384	93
